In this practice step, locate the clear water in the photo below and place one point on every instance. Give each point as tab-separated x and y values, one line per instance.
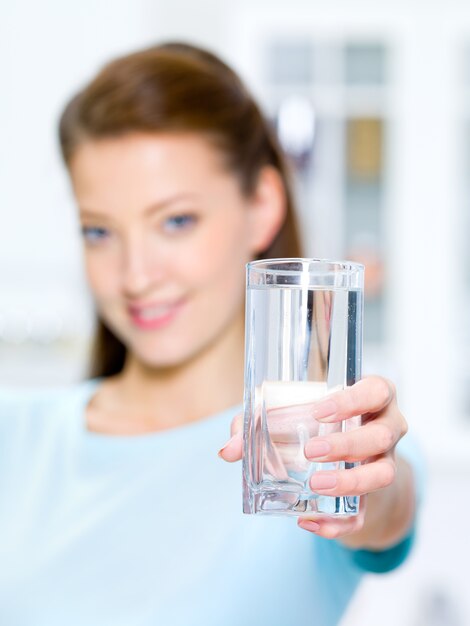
301	345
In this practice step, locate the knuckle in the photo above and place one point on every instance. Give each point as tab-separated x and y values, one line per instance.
354	396
389	471
353	482
384	437
358	524
403	426
385	390
347	448
391	387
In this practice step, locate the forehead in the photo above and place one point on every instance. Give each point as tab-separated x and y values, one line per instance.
138	169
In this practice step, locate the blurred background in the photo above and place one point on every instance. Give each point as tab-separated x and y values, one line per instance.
372	102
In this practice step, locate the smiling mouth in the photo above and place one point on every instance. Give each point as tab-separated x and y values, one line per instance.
155	316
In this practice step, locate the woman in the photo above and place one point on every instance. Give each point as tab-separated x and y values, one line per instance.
115	507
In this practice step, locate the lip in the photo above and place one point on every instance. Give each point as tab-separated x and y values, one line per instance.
140	317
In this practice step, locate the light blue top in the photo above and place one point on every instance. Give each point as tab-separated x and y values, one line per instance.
99	530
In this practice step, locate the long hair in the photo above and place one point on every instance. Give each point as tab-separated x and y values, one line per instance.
176	87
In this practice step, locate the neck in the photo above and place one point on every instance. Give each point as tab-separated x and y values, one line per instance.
207	383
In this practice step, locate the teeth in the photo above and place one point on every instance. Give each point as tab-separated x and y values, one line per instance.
155	312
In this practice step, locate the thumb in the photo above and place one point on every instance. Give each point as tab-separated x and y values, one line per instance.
232	450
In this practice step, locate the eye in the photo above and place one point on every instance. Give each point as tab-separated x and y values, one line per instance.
94	234
177	223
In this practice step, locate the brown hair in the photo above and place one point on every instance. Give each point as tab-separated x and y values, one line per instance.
177	87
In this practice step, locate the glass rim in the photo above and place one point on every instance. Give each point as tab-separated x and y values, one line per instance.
267	266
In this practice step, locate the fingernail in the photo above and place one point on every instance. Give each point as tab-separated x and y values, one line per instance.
323	481
325	409
317	448
309	525
219	453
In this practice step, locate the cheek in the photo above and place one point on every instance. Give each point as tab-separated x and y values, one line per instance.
102	275
221	254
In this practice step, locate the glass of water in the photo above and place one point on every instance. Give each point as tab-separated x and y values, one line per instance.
303	342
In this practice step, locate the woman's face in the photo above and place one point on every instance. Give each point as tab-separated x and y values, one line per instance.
167	233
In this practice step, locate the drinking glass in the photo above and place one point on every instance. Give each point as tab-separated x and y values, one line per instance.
303	342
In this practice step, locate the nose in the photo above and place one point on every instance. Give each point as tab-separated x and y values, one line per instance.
141	269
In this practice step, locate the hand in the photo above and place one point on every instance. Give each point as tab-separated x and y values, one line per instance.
372	444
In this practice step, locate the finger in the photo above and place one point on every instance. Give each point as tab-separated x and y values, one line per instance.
331	527
232	450
356	481
369	395
372	439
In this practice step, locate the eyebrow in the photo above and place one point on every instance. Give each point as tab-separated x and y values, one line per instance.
150	210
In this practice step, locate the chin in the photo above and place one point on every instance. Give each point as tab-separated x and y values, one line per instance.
160	358
161	363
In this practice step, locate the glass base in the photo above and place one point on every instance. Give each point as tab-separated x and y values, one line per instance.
290	503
